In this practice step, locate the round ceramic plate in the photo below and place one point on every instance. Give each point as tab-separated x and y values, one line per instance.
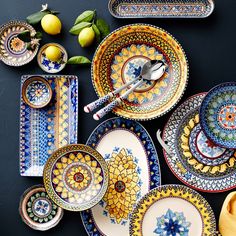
119	59
52	66
13	51
36	92
37	210
173	210
192	157
218	115
76	177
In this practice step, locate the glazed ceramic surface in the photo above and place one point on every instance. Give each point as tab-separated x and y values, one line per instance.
133	170
46	129
173	210
120	57
76	177
13	51
161	8
37	210
218	115
193	158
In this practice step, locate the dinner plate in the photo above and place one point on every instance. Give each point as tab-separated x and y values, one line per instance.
76	177
119	59
192	157
133	169
218	115
173	210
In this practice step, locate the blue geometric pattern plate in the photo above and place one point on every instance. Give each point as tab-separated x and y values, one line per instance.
44	130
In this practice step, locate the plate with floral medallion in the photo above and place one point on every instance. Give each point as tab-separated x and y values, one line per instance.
192	157
119	59
76	177
133	170
173	210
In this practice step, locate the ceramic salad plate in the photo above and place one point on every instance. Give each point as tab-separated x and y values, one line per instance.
173	210
13	51
133	169
161	8
119	59
37	210
192	157
46	129
218	115
76	177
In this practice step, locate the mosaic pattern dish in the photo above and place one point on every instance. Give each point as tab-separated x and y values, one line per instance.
193	158
161	8
13	51
218	115
44	130
173	210
37	210
120	57
133	169
76	177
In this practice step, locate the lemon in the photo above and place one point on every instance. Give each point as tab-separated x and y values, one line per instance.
51	24
53	53
86	37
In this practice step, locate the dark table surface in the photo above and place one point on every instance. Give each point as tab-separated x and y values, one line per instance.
210	47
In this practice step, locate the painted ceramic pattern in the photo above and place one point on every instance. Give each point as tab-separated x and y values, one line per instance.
13	51
173	191
134	44
76	177
127	181
44	130
201	165
218	115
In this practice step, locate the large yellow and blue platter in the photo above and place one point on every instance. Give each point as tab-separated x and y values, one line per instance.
119	59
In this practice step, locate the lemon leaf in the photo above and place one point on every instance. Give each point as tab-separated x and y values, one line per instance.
76	29
78	60
36	17
103	27
86	16
97	33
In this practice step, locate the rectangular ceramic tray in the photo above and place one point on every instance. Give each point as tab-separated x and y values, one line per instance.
46	129
161	8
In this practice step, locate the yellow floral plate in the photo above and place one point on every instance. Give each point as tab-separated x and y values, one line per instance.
76	177
119	59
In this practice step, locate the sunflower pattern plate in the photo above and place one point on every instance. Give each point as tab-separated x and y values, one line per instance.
193	158
120	57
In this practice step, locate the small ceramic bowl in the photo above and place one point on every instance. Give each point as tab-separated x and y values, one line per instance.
52	66
36	92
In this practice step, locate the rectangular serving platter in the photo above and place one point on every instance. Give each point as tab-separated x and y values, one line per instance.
46	129
161	8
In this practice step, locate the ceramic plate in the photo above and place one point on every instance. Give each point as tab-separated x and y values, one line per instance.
134	169
13	51
119	59
173	210
161	8
218	115
193	158
37	210
76	177
46	129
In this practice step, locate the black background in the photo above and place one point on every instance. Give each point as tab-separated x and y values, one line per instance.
210	45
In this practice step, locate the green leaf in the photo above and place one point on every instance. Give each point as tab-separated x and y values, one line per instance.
24	36
36	17
38	35
54	12
78	60
103	27
86	16
97	33
76	29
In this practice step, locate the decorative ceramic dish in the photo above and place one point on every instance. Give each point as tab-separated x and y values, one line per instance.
46	129
76	177
120	57
192	157
37	210
52	66
13	51
134	169
161	8
173	210
218	115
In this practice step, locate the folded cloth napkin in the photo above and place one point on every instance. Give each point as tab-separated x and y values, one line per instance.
227	222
